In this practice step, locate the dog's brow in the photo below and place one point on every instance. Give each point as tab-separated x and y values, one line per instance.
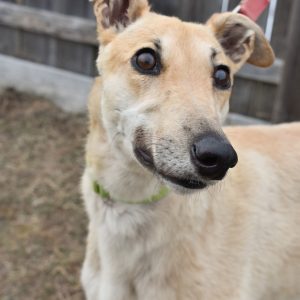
214	53
157	44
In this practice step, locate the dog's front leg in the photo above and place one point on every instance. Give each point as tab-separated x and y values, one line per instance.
159	294
111	291
96	284
91	270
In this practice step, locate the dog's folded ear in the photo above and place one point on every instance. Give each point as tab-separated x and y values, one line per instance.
242	40
114	15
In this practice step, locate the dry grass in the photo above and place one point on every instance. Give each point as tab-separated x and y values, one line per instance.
42	220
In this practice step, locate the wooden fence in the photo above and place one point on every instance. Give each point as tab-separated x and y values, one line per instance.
61	34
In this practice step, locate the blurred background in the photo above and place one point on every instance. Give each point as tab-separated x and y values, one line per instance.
48	50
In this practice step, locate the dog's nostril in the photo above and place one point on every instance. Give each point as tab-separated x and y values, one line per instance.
194	149
205	159
209	160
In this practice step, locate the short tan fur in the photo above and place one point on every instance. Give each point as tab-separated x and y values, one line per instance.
208	239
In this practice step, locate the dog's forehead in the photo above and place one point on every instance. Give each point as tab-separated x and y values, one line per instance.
170	32
178	42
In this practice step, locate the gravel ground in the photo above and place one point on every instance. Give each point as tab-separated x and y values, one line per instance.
42	220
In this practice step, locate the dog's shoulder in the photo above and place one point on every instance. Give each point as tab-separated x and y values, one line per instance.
272	150
265	137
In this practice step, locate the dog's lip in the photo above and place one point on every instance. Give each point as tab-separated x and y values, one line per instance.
185	182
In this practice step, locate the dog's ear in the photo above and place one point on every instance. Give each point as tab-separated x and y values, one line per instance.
242	40
115	15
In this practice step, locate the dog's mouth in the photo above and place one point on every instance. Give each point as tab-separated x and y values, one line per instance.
186	183
146	159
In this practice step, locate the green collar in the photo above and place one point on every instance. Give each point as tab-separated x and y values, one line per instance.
104	194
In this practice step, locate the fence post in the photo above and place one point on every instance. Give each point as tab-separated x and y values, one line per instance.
287	105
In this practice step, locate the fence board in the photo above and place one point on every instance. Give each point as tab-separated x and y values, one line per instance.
202	10
270	75
36	20
281	24
75	57
45	49
288	104
233	4
166	7
67	52
253	98
189	10
9	40
241	95
263	100
42	4
33	47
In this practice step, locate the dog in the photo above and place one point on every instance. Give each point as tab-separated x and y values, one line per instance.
180	207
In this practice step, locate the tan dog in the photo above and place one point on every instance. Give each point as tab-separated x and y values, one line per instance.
155	122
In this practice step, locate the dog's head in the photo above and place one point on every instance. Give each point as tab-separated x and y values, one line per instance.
166	87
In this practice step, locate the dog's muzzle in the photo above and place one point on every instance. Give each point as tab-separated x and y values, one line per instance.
211	155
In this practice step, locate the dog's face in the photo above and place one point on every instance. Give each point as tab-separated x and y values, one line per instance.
166	87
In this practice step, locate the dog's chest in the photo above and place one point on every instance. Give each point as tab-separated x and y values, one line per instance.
128	238
134	253
147	254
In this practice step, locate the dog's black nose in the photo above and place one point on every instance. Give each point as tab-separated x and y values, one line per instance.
213	156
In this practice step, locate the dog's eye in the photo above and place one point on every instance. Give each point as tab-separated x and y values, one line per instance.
221	77
146	61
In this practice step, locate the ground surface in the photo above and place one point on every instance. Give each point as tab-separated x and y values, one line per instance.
42	221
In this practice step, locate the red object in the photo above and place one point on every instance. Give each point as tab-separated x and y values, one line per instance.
253	8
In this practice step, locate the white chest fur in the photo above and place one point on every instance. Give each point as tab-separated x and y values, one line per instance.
135	244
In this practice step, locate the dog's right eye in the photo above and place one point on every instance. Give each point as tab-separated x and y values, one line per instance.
146	61
221	77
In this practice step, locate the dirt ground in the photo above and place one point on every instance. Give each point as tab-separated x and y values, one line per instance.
42	220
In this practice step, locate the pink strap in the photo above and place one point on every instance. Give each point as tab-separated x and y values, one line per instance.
253	8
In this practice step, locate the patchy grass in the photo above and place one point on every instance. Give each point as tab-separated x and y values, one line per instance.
42	220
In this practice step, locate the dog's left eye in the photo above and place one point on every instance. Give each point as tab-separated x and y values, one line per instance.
146	61
221	77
